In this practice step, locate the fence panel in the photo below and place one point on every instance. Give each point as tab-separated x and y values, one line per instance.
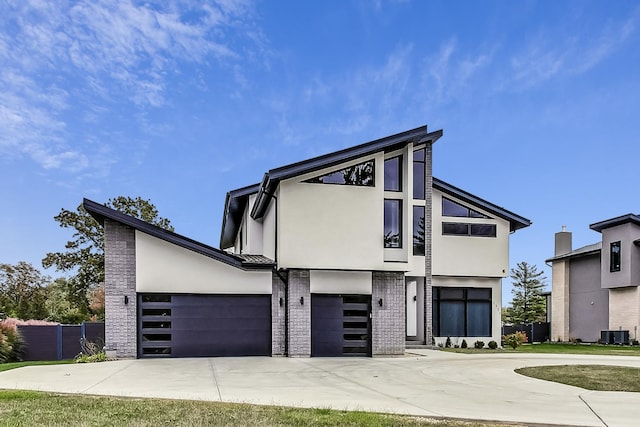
71	335
536	332
41	342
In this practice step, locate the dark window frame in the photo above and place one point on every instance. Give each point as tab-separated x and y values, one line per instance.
419	163
418	247
615	256
369	181
465	299
472	229
468	212
398	177
389	241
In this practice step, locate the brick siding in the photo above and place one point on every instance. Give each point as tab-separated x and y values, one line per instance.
388	320
299	314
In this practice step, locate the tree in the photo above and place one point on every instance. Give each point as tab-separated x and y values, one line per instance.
85	252
528	304
22	291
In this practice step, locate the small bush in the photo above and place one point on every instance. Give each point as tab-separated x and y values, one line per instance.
515	339
11	343
478	344
635	342
85	358
493	345
447	344
464	344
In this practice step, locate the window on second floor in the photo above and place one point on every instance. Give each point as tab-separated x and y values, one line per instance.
361	175
418	230
392	223
451	208
418	174
464	229
614	260
393	174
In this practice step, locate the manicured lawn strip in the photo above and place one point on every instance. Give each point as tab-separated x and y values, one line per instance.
590	377
595	349
30	408
13	365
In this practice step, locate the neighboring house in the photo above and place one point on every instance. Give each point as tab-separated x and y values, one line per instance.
595	288
350	253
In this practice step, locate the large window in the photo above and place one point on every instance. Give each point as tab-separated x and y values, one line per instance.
418	230
392	223
362	175
451	208
462	312
393	174
418	174
614	258
464	229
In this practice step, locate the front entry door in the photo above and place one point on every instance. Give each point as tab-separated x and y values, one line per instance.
412	309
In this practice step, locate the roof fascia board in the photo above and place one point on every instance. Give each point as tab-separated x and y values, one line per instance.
608	223
102	212
573	255
516	221
235	201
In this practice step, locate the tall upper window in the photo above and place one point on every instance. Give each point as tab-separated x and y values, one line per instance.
393	174
614	260
362	175
418	230
418	174
461	312
451	208
392	223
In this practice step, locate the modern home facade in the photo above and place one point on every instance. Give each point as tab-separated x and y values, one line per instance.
595	289
350	253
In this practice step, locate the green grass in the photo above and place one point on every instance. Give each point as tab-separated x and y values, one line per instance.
590	377
30	408
596	349
14	365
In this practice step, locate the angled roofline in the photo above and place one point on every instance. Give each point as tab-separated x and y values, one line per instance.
234	205
592	249
619	220
272	178
516	221
102	212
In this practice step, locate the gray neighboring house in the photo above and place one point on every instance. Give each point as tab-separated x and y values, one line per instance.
353	253
596	289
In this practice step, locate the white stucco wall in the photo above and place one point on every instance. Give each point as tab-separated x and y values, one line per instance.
340	282
165	267
327	226
269	231
469	256
496	305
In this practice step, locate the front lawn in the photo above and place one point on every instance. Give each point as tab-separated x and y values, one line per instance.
30	408
596	349
13	365
590	377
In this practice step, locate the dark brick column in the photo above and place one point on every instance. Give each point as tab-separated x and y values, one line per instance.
428	247
120	281
387	320
278	314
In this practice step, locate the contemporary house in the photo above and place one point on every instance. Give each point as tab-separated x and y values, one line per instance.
595	289
350	253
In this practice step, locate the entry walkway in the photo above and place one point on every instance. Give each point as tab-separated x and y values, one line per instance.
424	382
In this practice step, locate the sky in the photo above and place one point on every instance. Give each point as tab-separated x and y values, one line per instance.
181	101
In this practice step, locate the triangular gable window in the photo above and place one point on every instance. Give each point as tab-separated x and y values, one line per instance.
362	175
451	208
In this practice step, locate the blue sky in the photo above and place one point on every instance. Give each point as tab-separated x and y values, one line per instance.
181	101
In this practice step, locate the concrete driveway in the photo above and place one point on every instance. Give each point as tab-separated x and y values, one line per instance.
424	382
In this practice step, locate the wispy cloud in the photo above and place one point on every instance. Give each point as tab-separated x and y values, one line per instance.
548	55
101	52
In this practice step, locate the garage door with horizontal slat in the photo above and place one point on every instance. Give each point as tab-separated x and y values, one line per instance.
205	325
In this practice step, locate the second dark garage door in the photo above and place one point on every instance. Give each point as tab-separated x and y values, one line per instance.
340	325
204	325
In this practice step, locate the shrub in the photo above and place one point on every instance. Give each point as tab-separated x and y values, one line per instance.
493	345
464	344
515	339
98	357
11	343
478	344
447	344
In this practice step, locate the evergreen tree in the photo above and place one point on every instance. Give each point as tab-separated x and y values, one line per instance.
528	304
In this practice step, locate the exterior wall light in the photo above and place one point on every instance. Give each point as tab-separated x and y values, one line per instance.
301	300
126	299
281	301
380	302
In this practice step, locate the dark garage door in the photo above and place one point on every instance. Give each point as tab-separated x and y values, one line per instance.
204	325
340	325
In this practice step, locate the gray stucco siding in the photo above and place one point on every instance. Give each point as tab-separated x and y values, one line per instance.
588	301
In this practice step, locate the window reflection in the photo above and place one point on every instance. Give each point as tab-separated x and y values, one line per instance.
392	223
393	174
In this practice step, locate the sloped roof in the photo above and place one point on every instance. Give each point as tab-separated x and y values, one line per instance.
583	251
608	223
102	212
